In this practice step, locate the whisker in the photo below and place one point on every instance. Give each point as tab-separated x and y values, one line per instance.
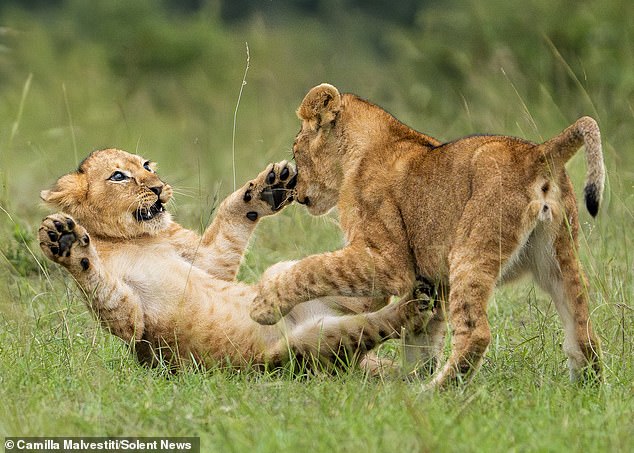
172	204
181	187
184	194
185	188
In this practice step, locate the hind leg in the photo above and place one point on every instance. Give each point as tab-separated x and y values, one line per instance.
472	283
335	341
485	242
564	280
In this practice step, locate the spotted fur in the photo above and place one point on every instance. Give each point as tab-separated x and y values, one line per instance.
466	215
172	294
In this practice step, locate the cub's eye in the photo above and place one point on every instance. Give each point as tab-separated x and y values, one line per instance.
146	165
118	176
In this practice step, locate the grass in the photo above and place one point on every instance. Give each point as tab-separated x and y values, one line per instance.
73	83
67	377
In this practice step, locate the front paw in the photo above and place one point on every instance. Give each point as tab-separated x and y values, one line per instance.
65	242
270	191
267	307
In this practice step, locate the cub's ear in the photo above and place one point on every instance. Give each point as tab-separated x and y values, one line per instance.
320	106
68	191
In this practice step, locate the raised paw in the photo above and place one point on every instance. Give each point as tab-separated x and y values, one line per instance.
425	291
64	241
272	190
267	307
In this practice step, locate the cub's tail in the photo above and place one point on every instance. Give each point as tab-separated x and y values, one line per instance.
558	150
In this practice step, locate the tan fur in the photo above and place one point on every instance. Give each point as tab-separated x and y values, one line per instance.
465	215
172	294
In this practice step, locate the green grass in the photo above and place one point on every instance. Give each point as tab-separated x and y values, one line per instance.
73	80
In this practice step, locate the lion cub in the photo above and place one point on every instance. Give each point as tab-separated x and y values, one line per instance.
464	215
172	294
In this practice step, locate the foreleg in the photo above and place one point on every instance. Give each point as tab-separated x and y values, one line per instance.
65	242
352	271
220	249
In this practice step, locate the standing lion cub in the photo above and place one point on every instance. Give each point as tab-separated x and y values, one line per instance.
172	294
464	215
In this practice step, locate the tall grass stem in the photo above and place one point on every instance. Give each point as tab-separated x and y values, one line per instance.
235	117
14	132
70	124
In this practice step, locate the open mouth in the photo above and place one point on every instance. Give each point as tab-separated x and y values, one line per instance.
143	214
305	201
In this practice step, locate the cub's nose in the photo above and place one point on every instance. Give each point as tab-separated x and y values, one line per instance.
157	190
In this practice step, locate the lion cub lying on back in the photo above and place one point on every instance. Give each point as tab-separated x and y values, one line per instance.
464	216
172	294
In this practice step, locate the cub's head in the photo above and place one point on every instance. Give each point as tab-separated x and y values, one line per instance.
113	194
318	150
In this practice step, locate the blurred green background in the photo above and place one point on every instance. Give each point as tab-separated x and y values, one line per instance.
162	78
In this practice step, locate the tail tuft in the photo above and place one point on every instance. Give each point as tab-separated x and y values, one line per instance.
592	196
559	149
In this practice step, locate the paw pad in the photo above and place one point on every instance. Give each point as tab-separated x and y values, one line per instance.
273	186
65	242
279	192
57	235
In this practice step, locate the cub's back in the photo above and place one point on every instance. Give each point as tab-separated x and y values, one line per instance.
436	184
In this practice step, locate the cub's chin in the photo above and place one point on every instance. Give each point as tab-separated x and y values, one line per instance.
317	206
318	210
